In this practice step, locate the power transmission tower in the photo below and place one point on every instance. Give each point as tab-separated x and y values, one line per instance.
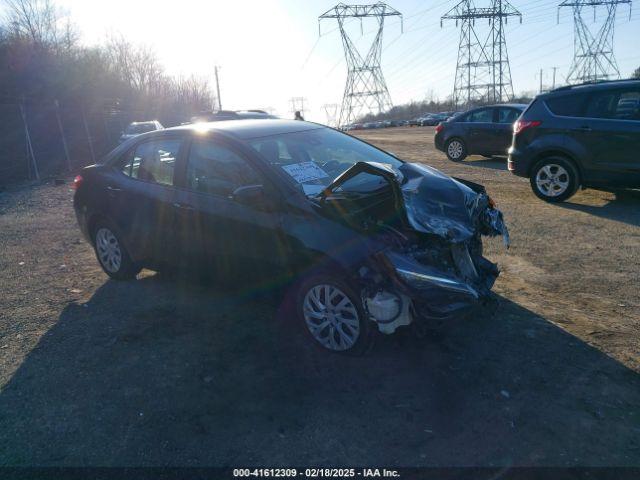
365	90
482	72
593	58
297	104
331	111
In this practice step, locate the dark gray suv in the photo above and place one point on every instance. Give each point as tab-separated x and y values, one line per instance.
579	136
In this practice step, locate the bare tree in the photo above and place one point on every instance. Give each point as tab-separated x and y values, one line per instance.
137	65
40	22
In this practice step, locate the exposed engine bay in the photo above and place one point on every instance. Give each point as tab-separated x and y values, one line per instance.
430	226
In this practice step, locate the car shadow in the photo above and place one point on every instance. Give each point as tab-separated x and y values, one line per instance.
624	208
494	163
164	372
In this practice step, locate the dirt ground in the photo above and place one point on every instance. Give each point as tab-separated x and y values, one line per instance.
167	371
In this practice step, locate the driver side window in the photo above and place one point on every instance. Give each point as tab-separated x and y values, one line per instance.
217	170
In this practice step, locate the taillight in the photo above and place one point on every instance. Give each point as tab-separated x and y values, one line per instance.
521	125
77	181
439	128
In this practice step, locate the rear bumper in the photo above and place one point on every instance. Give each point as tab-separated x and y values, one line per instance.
519	161
438	142
83	220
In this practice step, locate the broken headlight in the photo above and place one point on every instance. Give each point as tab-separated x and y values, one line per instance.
422	277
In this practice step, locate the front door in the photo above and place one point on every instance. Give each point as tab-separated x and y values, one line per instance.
215	228
503	129
610	133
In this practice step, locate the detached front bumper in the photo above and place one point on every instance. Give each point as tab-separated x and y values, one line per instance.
425	292
440	294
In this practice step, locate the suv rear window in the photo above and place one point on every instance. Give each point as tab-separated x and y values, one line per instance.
567	105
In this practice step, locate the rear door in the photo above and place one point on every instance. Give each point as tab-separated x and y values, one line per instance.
480	131
503	129
215	228
141	195
610	132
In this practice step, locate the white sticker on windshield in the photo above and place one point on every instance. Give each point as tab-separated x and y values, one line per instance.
305	171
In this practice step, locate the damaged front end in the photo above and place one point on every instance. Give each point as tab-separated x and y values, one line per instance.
429	228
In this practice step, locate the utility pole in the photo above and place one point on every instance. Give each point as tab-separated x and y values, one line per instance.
540	81
366	90
483	73
218	88
593	58
554	78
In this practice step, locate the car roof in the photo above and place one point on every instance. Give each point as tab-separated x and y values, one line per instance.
601	85
250	128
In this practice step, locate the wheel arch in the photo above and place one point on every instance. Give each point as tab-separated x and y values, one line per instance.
557	153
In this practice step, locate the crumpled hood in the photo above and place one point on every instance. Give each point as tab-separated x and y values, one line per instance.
436	203
453	209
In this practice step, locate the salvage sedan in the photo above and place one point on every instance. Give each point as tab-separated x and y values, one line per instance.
364	240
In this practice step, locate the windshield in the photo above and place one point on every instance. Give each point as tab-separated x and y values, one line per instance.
314	158
140	128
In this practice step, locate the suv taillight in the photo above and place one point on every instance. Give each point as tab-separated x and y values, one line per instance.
439	127
521	125
77	182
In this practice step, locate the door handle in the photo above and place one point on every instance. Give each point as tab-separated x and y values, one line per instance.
113	189
584	128
183	206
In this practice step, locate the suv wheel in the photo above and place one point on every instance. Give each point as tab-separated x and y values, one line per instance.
332	314
456	150
554	179
111	254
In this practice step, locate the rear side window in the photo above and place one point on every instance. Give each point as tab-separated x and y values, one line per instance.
217	170
614	104
153	161
567	105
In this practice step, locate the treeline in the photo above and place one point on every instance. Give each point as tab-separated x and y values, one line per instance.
48	78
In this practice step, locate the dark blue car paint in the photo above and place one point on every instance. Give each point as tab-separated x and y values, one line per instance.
294	234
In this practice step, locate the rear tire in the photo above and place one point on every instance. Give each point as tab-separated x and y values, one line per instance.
111	253
554	179
331	313
456	150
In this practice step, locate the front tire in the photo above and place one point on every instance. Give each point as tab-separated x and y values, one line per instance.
111	253
456	150
554	179
332	315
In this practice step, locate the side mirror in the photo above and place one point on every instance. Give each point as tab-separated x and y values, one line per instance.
253	196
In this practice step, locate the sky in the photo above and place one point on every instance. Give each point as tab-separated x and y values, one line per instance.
270	50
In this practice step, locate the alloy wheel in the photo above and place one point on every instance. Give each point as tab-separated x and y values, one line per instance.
108	248
552	180
331	317
455	149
